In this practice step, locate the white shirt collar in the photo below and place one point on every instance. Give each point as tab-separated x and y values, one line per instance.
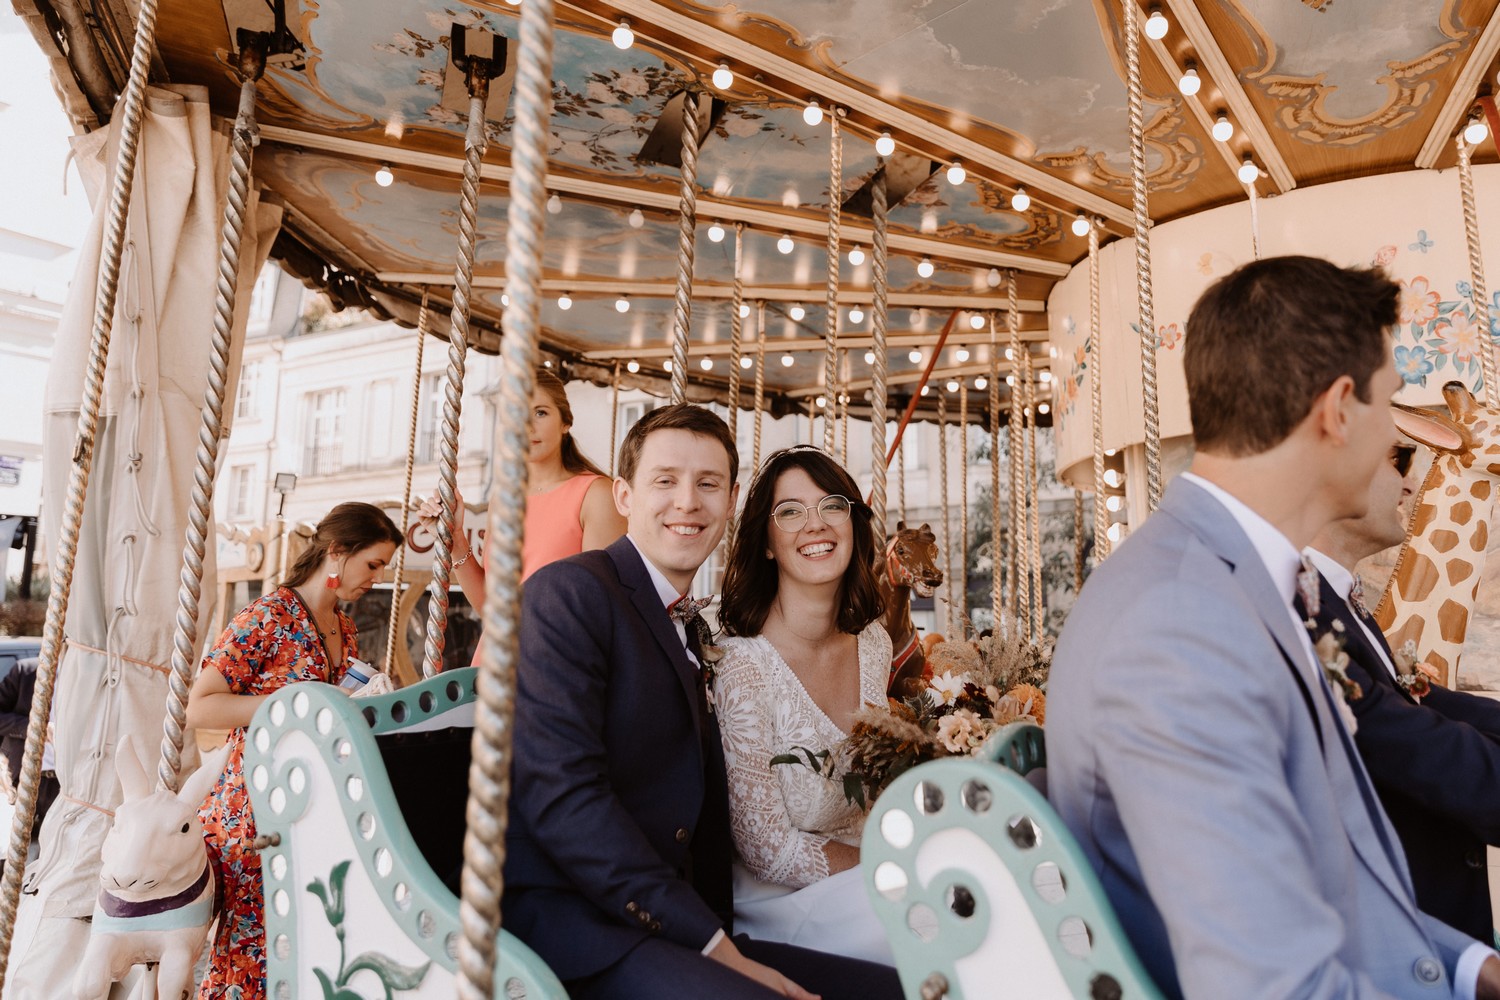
1340	578
1276	551
664	589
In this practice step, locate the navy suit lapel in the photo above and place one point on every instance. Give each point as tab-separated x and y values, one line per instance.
634	575
1358	645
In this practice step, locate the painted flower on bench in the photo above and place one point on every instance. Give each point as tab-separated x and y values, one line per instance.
951	717
394	977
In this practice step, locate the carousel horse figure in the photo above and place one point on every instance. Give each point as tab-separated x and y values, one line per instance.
157	893
909	564
1432	590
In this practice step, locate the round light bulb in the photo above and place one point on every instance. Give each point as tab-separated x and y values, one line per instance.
1115	531
869	357
956	173
564	302
1010	380
1009	354
981	383
812	114
1113	503
961	355
925	268
952	386
856	256
1020	201
744	310
856	315
785	244
1476	132
632	366
787	361
716	233
797	313
554	205
746	361
384	177
926	389
637	218
1223	129
1156	24
723	79
1113	478
1248	171
915	357
993	278
667	365
1190	83
622	305
1080	225
623	37
976	321
1045	377
822	401
1043	408
885	145
707	364
1111	452
504	299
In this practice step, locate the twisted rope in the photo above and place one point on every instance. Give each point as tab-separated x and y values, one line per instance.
997	568
1151	403
1476	273
812	422
398	571
760	381
878	468
489	772
1077	540
736	330
453	389
901	479
687	230
1096	401
614	418
963	500
844	414
831	306
211	425
942	409
78	478
1019	582
1034	548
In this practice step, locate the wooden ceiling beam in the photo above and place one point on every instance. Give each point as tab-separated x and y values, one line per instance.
1195	103
1217	65
644	13
770	220
1462	95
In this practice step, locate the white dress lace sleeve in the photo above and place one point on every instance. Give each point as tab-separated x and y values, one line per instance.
767	841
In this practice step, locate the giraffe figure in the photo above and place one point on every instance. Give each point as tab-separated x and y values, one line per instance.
1432	590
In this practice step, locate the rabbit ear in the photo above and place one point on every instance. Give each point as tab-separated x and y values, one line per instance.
134	782
195	789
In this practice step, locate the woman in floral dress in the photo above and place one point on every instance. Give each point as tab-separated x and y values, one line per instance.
807	652
295	633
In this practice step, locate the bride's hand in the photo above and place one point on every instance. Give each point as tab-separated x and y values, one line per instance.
431	510
726	952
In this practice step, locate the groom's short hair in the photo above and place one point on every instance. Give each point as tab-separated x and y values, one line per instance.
1268	338
677	416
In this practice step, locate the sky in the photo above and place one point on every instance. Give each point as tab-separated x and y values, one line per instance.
34	134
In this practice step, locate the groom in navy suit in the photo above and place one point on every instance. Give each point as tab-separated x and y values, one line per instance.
1435	761
618	851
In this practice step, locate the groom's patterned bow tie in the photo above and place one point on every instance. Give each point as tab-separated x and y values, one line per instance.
685	608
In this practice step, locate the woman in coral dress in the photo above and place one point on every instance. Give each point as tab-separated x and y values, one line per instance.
295	633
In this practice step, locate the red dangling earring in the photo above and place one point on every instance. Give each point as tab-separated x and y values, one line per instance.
331	581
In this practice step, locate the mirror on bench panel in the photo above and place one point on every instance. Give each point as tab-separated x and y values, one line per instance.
953	843
361	803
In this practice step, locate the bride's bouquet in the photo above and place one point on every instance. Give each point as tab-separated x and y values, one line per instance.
976	688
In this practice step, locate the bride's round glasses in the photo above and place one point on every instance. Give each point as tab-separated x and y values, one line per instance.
832	510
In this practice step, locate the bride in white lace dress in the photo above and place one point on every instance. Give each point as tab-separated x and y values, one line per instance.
806	650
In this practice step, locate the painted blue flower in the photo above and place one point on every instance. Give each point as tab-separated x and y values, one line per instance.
1423	244
1465	290
1413	364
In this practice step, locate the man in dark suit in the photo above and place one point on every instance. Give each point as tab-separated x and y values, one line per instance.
618	850
1435	761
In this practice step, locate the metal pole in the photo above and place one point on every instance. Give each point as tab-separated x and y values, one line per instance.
1096	400
878	460
831	303
736	331
687	230
760	382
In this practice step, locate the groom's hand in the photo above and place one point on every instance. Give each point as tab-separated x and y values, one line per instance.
726	953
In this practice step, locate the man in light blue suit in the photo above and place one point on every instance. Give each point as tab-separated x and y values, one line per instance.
1195	746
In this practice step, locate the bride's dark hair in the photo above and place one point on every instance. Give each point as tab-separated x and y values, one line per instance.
751	580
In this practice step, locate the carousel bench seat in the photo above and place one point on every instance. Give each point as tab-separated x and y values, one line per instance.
983	891
363	801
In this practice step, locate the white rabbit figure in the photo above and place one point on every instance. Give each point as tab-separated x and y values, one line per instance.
156	887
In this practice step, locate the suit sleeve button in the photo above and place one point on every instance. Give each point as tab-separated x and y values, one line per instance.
682	835
632	907
1474	859
1427	970
654	926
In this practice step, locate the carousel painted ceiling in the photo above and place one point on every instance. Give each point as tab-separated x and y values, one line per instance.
1024	94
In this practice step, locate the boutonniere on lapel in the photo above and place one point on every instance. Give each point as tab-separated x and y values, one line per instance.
1328	644
708	657
1415	677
